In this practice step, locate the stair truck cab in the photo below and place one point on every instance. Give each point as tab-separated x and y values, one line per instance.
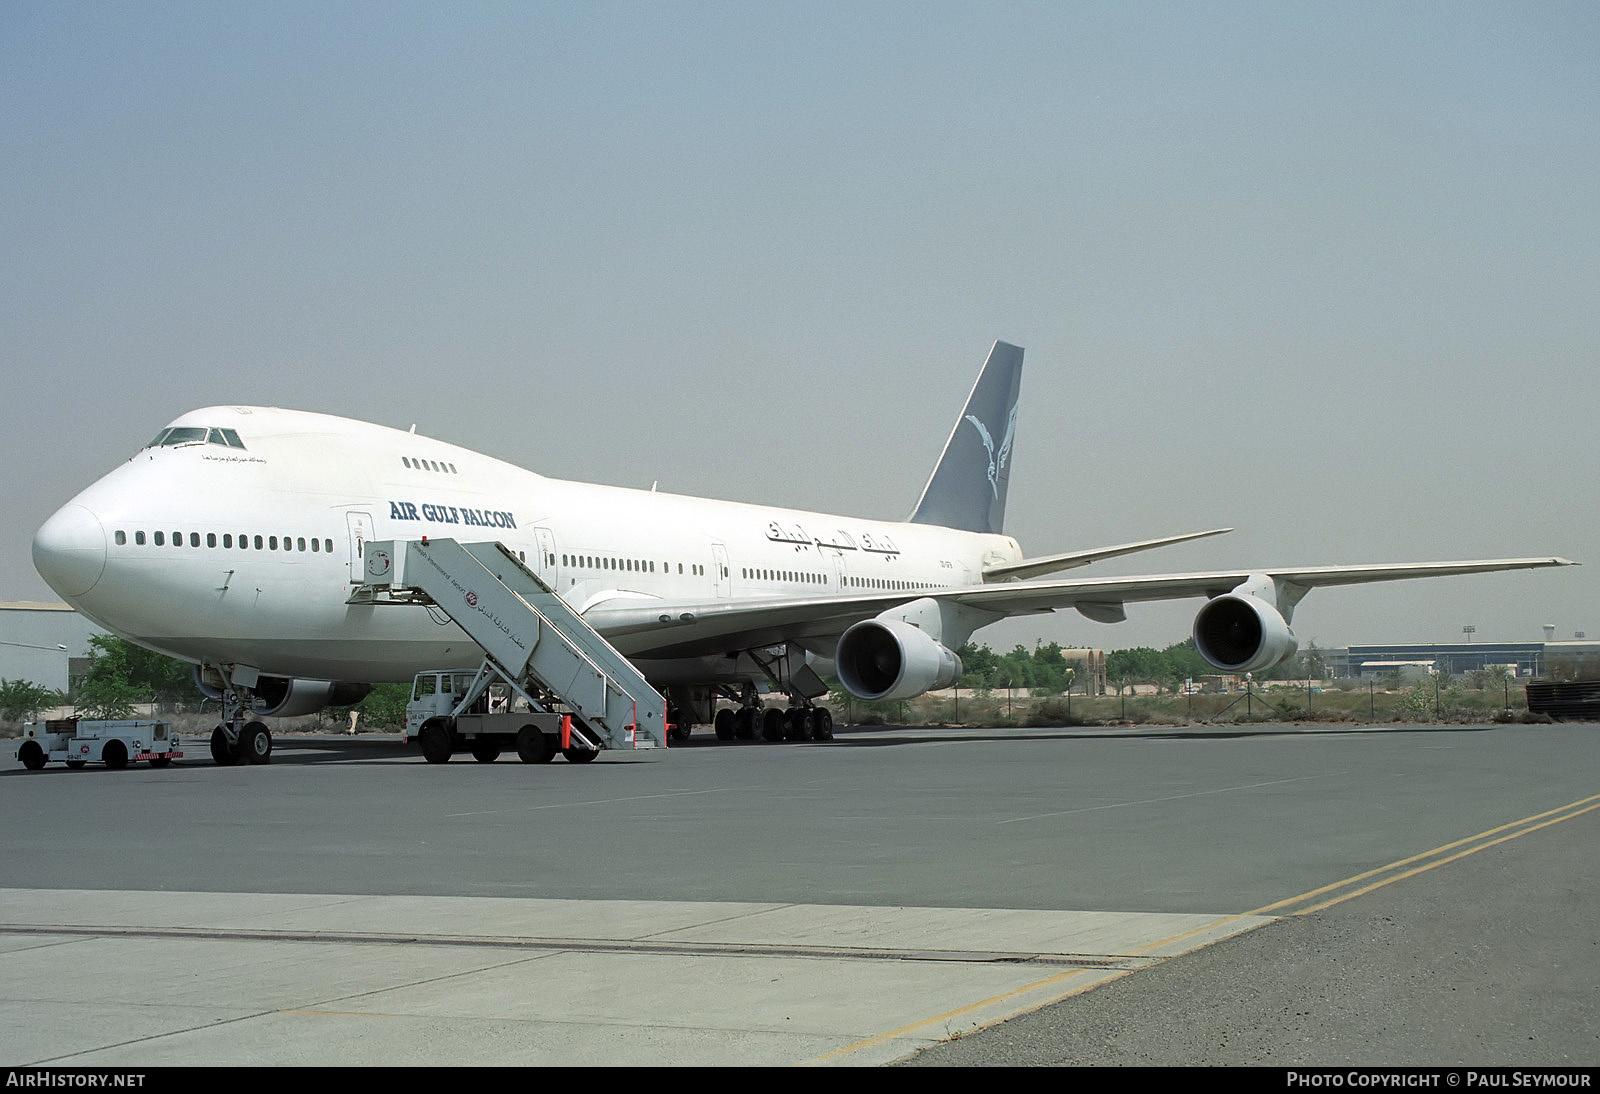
455	710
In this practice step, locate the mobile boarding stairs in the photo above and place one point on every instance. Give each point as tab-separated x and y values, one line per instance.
531	638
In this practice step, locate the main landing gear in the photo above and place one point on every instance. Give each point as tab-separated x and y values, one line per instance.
802	722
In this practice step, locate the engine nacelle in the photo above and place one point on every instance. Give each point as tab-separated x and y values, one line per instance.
1239	633
891	659
283	697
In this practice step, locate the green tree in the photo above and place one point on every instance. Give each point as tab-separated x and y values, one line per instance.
1186	662
107	695
1139	665
122	674
977	667
22	699
1015	669
1051	674
383	708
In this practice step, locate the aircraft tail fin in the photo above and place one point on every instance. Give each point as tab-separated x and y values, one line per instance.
968	487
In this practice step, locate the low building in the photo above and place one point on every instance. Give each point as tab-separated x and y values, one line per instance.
40	642
1451	658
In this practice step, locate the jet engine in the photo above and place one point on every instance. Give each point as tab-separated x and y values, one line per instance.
283	697
891	659
1243	633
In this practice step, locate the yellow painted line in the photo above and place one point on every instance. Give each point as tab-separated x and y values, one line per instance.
1450	858
1469	845
1589	802
1028	989
1179	937
950	1015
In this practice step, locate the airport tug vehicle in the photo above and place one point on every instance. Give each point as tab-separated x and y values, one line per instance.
113	743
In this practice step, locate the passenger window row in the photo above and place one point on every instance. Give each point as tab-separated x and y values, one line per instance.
798	576
628	565
889	584
227	541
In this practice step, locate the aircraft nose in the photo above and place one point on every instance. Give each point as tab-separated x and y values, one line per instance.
69	551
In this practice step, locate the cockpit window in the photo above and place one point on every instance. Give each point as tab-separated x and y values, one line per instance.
195	434
179	434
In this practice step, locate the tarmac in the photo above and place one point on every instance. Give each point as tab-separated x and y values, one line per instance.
350	905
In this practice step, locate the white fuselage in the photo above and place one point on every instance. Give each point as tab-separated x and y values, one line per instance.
245	552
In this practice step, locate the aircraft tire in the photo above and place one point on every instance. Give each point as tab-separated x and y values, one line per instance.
744	724
77	765
32	755
435	742
723	724
115	755
486	750
772	724
800	724
161	761
822	724
222	752
255	744
578	755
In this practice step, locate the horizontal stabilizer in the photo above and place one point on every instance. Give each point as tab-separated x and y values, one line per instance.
1050	564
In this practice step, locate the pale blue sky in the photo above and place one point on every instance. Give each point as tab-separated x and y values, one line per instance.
1323	272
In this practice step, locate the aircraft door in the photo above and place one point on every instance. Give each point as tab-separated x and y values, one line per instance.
361	532
719	562
545	565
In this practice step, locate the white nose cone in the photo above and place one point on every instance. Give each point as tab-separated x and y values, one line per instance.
70	551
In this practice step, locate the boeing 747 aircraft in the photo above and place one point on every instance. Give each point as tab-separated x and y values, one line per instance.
233	540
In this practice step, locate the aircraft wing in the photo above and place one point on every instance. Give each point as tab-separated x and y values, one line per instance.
660	628
1050	564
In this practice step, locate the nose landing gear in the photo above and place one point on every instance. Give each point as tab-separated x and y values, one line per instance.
236	741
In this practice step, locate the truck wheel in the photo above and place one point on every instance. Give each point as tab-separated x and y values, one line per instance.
532	748
435	741
486	750
32	756
115	755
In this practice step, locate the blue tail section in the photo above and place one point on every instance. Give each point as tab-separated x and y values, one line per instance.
968	487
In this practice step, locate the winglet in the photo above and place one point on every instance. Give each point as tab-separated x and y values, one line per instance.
967	489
